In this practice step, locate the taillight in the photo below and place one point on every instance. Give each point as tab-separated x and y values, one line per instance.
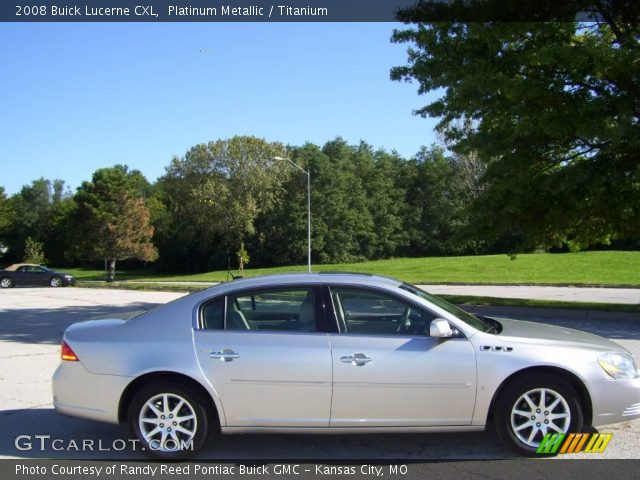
67	354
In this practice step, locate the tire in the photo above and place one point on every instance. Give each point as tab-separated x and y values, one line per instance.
6	282
196	427
55	281
563	411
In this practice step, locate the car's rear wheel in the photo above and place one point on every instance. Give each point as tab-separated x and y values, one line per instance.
55	281
6	282
169	419
533	406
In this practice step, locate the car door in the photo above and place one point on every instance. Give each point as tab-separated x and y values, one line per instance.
387	371
40	276
266	355
25	275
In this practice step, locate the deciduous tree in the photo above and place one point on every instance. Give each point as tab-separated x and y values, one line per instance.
33	252
220	188
111	220
557	112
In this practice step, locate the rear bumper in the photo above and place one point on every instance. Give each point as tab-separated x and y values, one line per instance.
79	393
616	401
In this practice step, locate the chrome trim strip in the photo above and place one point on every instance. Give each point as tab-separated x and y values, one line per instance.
410	385
277	382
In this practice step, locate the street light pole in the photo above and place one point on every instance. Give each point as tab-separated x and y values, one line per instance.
308	174
309	220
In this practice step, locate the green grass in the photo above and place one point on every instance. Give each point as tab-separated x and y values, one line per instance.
583	268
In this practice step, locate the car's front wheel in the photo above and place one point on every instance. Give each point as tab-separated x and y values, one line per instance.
169	419
55	281
533	406
6	282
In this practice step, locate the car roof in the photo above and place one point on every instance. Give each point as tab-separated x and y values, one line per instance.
313	278
16	266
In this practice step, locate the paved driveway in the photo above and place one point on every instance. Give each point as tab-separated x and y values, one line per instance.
31	326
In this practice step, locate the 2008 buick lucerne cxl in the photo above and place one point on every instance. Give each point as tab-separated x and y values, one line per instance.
336	353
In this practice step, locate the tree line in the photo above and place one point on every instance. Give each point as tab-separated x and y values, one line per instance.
242	194
366	204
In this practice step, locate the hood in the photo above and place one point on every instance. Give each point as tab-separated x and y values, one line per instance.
530	331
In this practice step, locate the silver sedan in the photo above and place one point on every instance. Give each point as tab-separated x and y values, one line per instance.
336	353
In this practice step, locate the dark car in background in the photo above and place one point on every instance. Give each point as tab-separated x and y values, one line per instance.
25	274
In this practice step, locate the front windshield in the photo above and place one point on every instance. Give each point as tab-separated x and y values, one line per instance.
466	317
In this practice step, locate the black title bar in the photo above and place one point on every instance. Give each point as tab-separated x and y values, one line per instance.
201	10
312	10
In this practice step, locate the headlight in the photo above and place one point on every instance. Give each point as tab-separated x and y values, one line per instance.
618	365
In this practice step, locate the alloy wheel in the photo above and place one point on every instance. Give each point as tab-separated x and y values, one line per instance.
168	422
537	412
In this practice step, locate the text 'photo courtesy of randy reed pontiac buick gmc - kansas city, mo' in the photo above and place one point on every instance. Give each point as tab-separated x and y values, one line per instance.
336	353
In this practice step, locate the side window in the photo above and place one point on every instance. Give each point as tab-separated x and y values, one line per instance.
374	313
287	309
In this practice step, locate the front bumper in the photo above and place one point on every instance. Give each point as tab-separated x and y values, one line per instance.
615	401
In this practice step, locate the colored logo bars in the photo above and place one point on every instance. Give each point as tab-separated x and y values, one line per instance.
574	443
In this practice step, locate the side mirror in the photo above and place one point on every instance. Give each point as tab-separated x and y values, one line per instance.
440	328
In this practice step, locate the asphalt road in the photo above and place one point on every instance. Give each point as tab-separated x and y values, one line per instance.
31	325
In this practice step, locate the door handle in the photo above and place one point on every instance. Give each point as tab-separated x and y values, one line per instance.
225	355
358	359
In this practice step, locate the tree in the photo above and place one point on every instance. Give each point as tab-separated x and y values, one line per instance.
556	109
281	232
6	221
6	213
356	207
342	223
31	207
434	204
218	190
380	173
33	252
111	219
39	210
243	258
